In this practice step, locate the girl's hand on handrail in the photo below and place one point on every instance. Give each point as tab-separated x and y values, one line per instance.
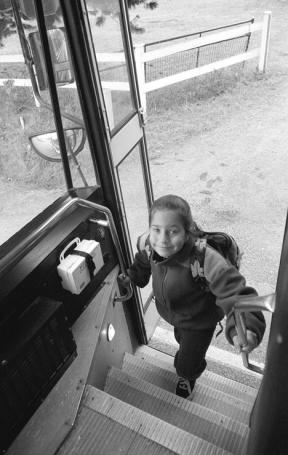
124	280
252	342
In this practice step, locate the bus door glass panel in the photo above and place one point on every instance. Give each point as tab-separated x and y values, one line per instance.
127	143
28	183
31	171
106	30
82	167
133	194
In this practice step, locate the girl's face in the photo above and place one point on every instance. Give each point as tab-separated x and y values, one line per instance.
167	233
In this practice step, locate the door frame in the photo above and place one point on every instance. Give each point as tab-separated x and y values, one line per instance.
269	419
101	143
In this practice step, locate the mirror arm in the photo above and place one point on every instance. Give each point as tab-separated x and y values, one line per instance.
43	103
78	167
25	48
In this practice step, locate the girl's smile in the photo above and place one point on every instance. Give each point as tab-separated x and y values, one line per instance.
167	234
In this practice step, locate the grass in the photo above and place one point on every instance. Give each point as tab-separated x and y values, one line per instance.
193	107
18	162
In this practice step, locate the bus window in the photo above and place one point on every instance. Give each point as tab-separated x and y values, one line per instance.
134	198
81	167
31	165
108	44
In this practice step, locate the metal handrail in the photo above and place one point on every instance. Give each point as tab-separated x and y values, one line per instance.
30	240
248	304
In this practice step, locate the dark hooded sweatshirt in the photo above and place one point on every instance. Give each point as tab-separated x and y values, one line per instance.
182	302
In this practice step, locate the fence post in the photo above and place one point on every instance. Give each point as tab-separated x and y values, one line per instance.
264	42
139	51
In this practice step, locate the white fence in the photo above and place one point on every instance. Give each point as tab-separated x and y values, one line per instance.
142	57
260	52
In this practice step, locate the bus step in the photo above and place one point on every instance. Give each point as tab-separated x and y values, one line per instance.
235	388
222	431
106	425
205	395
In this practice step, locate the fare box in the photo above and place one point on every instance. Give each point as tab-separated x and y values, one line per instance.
73	269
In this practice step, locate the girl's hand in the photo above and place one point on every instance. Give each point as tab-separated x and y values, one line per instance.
124	280
252	342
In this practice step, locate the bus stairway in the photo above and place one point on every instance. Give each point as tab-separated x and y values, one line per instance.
139	413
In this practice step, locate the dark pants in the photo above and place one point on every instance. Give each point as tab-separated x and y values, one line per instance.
193	344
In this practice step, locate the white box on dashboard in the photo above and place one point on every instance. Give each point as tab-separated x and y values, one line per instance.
73	269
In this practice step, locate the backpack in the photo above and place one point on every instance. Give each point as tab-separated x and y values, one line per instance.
222	242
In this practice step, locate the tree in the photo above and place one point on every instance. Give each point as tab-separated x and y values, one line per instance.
99	10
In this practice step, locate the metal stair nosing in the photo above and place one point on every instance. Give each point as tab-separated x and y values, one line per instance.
134	432
212	426
237	389
206	396
96	433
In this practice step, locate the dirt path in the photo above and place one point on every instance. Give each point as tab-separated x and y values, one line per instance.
235	177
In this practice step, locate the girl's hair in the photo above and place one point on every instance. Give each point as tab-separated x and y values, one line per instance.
177	204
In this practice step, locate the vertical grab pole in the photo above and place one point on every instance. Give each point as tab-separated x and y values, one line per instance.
241	333
140	70
264	42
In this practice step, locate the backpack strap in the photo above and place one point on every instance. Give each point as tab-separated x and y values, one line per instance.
197	261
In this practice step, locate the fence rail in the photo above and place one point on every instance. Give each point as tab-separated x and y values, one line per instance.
200	45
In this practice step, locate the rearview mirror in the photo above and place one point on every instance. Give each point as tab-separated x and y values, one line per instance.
46	144
60	56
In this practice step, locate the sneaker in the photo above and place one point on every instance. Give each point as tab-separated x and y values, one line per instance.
184	387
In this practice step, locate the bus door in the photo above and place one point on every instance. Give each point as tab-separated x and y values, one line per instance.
124	126
269	418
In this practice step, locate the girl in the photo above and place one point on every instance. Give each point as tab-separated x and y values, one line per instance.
180	300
